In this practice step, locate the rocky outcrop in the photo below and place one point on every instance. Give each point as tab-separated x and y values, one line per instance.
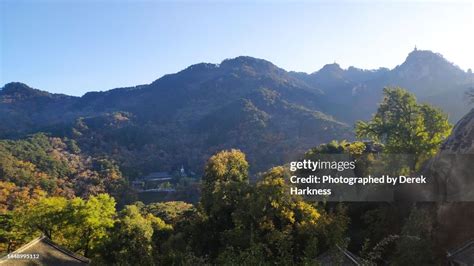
452	173
452	170
461	140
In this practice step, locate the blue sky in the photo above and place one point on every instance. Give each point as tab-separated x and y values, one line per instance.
77	46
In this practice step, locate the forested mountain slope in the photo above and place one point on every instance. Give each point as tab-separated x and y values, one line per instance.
246	103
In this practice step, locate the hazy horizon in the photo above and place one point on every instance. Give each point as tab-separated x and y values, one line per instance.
75	47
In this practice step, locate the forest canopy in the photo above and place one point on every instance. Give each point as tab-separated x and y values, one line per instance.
55	187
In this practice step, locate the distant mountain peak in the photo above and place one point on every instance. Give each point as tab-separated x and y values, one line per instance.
16	85
425	63
331	68
239	66
332	71
248	61
18	88
201	67
424	55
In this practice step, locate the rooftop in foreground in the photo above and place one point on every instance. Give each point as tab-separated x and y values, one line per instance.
43	251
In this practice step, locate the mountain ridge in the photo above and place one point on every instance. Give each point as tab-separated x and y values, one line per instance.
414	55
244	102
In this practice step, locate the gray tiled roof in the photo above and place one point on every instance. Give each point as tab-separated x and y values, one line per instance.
463	255
49	254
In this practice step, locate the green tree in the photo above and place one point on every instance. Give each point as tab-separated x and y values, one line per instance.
284	223
406	127
49	216
415	245
89	221
225	187
171	212
78	224
131	239
279	228
12	234
223	172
